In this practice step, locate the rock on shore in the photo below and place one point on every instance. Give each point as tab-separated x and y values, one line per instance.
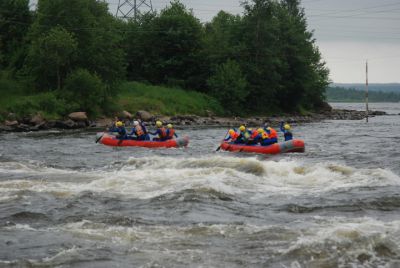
80	120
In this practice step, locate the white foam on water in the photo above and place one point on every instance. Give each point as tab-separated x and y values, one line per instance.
349	238
25	227
149	177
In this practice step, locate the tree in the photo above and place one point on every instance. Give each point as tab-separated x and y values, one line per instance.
51	56
172	42
95	30
15	19
259	58
85	91
304	75
228	85
221	38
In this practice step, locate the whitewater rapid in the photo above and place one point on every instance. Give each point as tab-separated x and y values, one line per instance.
68	202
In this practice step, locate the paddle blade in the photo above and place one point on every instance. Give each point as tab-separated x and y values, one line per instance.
99	136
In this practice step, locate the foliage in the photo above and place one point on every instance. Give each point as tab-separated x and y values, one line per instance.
85	91
51	56
261	62
229	86
340	94
168	101
167	47
15	19
95	30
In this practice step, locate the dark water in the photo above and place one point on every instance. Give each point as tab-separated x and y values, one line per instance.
68	202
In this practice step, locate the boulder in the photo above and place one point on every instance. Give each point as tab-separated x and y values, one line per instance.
144	115
78	116
11	123
126	115
325	107
69	124
37	120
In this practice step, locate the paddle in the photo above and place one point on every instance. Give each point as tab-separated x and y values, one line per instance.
99	138
219	147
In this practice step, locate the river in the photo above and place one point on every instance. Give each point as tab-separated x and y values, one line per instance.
68	202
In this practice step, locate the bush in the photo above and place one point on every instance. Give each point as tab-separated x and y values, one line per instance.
85	91
228	85
167	101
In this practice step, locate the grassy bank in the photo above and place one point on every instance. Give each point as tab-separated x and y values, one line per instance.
166	101
132	97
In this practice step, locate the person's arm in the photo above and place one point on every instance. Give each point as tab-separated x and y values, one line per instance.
155	133
143	127
281	127
113	129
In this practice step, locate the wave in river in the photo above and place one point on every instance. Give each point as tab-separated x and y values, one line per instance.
328	242
150	177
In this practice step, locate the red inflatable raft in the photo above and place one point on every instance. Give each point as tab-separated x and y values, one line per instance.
110	140
277	148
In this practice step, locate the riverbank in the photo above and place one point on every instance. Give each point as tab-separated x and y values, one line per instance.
80	121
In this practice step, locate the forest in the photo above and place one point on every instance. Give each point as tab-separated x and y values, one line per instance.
74	55
340	94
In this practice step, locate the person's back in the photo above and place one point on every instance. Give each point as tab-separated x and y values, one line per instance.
273	135
171	132
160	132
121	131
265	140
286	129
253	134
138	131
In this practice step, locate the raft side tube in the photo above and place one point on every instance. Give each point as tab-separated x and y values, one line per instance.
276	148
111	140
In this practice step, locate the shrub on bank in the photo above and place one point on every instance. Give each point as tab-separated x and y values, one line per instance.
136	96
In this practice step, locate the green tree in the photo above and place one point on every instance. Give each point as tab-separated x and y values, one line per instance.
228	85
84	91
97	32
51	56
15	19
303	74
221	38
259	58
172	42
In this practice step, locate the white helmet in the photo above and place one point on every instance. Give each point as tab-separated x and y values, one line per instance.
135	123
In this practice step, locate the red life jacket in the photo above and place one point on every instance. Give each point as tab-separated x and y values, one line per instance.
254	134
139	130
171	133
273	133
163	133
234	136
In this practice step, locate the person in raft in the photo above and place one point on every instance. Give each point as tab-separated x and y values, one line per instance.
244	135
285	128
273	135
171	132
233	136
139	131
265	139
254	137
113	127
161	132
121	131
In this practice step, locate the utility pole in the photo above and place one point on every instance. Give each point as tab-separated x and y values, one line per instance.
366	89
133	8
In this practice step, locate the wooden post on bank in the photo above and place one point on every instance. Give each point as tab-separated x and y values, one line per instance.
366	89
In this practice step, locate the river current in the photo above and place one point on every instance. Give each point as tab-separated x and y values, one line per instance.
68	202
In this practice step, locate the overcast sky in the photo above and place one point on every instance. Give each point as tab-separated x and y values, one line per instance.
348	32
